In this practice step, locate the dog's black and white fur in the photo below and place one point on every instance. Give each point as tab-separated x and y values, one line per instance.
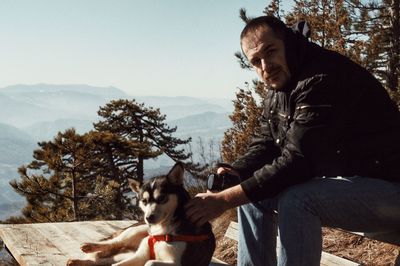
162	200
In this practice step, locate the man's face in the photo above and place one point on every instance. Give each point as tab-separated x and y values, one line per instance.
266	53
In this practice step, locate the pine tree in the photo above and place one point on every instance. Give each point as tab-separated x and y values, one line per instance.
274	9
83	177
55	181
245	120
331	25
380	21
143	125
365	31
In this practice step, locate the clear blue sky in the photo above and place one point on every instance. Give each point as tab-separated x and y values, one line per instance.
148	47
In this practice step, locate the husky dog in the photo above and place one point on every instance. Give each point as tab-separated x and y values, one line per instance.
166	238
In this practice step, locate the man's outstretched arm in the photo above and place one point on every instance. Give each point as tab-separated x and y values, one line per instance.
207	206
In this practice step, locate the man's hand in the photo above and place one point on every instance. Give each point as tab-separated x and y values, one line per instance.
207	206
227	170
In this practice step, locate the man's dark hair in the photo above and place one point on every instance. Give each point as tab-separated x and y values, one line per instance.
278	27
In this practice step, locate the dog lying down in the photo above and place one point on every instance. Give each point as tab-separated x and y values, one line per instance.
166	238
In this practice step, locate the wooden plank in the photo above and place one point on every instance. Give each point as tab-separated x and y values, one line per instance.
326	258
30	247
232	232
217	262
388	237
54	243
65	242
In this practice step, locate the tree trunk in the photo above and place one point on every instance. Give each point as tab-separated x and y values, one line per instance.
140	166
74	198
116	177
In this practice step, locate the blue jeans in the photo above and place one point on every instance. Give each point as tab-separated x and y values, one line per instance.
351	203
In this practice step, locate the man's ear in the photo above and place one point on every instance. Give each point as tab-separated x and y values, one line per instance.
175	175
134	184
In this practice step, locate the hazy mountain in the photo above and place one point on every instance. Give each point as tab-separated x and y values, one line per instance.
16	148
180	107
162	101
25	105
206	125
18	112
11	209
15	145
48	130
103	92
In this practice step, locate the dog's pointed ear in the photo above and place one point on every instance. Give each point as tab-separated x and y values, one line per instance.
134	184
175	175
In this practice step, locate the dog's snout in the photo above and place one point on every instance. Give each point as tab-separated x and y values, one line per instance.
151	218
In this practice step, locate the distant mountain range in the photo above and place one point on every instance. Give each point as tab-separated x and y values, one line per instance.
32	113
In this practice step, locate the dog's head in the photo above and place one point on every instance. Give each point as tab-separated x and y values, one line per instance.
162	198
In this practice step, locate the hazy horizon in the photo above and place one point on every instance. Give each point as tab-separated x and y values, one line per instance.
114	87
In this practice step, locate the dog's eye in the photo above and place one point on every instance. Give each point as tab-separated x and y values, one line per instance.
162	199
144	201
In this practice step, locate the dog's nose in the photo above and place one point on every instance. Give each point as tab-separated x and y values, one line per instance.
151	218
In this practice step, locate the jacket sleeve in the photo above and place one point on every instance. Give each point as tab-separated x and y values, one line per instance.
261	151
306	140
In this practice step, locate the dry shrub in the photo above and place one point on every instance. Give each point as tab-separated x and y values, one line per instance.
359	249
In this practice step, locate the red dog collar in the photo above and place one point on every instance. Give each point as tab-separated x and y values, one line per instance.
173	238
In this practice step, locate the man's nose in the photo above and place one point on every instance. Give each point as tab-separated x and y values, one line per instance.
265	66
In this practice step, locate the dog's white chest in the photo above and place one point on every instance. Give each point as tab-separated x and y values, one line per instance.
169	251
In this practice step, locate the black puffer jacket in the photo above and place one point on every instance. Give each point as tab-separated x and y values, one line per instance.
333	119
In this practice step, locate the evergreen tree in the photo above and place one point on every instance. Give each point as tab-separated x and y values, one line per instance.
83	177
143	125
365	31
274	9
54	183
79	177
380	22
245	120
331	24
114	160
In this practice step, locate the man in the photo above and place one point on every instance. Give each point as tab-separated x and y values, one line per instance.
328	153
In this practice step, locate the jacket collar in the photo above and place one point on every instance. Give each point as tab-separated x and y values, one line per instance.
296	41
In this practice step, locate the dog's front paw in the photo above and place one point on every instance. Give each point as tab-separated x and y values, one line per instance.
89	247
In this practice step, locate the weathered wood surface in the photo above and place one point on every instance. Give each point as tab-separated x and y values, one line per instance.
326	258
54	243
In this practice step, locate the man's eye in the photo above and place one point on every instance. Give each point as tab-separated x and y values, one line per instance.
256	62
270	52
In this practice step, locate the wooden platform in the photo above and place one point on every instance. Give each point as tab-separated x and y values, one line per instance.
54	243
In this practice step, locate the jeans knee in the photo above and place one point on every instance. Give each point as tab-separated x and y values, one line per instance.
294	199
